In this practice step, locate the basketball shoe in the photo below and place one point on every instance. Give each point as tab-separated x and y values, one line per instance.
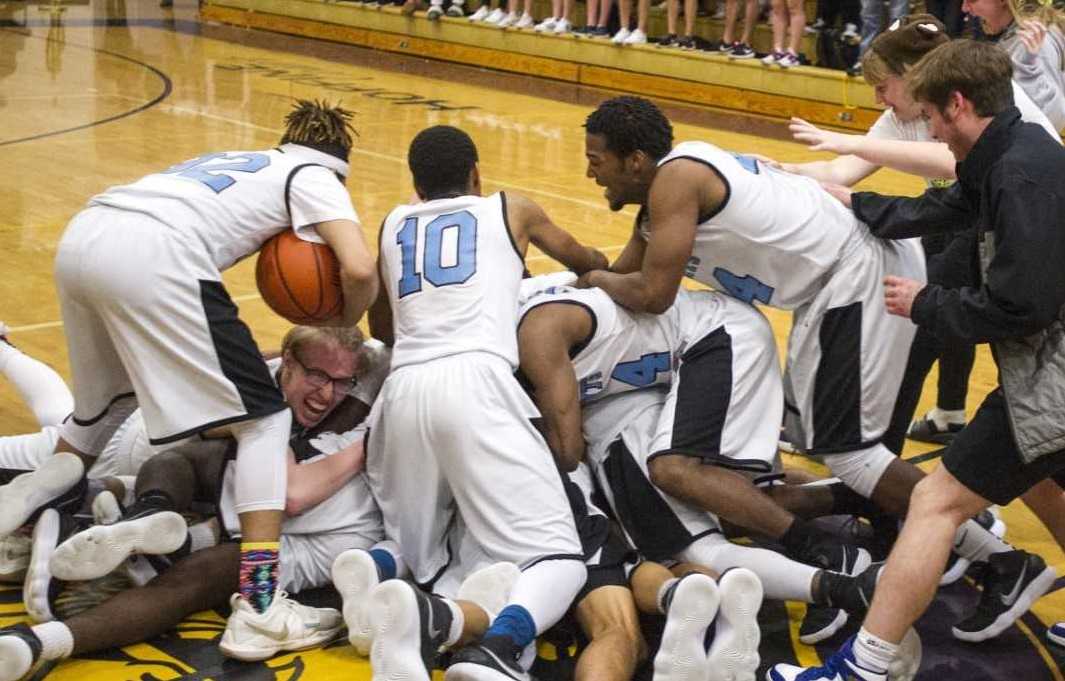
1056	634
1013	581
355	576
409	629
14	557
20	652
285	626
58	481
691	605
733	653
493	659
840	667
103	548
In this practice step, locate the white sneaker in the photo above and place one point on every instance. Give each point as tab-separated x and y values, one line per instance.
285	626
908	658
637	37
455	11
509	20
495	16
789	60
103	548
681	655
772	58
355	576
734	652
563	26
435	12
620	37
105	508
35	590
20	498
481	14
14	557
490	587
546	26
526	21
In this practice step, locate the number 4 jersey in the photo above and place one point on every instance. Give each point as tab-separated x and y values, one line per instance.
776	235
452	271
232	202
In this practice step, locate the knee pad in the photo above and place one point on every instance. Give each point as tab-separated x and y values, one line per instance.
861	469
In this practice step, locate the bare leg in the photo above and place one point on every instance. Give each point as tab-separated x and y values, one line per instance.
750	18
1047	501
609	620
732	9
797	23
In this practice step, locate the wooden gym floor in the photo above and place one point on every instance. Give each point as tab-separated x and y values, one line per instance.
102	93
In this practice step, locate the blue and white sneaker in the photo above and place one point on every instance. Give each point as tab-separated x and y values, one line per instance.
840	667
1056	634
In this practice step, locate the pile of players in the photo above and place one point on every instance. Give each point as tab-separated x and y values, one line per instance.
570	449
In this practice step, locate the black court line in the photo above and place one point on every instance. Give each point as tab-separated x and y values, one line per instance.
167	84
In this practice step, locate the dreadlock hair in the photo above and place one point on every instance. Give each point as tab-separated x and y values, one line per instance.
441	159
632	124
319	125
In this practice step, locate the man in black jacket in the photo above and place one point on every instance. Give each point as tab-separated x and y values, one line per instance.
1011	191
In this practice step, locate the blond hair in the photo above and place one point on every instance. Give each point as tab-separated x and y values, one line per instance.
1039	10
347	338
320	125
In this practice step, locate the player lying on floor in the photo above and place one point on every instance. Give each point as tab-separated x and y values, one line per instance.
316	371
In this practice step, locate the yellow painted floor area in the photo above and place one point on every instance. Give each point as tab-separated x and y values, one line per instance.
77	115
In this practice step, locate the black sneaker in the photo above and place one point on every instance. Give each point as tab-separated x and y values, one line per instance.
493	659
926	430
853	594
821	623
599	32
410	629
686	43
20	651
669	40
741	51
829	553
1013	581
726	48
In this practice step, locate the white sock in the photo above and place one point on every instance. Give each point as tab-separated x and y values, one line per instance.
57	641
458	622
547	589
660	600
41	388
975	543
201	536
944	417
872	652
782	578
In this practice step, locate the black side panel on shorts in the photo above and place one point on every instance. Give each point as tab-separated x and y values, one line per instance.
646	517
238	355
838	385
593	529
703	395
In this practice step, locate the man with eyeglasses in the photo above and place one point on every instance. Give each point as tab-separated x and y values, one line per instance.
329	377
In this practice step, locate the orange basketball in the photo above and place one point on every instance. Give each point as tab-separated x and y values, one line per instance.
299	280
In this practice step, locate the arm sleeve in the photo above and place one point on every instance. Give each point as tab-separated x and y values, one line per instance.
899	217
1020	294
316	195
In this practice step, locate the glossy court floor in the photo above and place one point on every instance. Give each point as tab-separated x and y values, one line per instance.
98	94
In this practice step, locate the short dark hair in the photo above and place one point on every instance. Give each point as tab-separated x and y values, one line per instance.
632	124
440	159
320	125
980	71
901	46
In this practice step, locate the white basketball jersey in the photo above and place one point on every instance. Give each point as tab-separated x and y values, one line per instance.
630	351
231	202
453	272
775	237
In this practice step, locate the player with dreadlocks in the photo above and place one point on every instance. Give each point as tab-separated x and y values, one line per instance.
149	323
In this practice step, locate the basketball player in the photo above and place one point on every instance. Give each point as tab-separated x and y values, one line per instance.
330	510
450	436
768	236
158	336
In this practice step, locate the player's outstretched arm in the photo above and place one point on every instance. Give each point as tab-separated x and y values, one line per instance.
545	335
528	218
358	273
309	484
631	257
678	193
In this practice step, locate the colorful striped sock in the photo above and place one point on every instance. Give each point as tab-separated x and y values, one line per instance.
258	573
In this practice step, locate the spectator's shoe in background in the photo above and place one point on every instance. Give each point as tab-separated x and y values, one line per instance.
481	14
850	34
789	60
772	58
620	37
686	43
855	70
600	32
741	51
637	37
495	16
546	26
509	20
726	48
669	40
455	11
562	26
925	429
816	27
1013	581
435	12
525	21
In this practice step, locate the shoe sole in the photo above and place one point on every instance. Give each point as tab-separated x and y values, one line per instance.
1033	592
16	558
355	576
827	632
105	508
908	658
396	651
490	587
16	658
38	575
101	549
734	653
681	655
21	498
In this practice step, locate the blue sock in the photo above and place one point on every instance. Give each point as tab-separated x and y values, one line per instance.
515	623
386	564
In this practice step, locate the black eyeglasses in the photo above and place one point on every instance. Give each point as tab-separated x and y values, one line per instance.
320	379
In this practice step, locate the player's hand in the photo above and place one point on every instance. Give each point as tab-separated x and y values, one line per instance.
600	261
823	140
586	279
841	193
1032	33
899	294
771	162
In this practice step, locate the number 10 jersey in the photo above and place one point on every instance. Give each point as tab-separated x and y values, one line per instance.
453	272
